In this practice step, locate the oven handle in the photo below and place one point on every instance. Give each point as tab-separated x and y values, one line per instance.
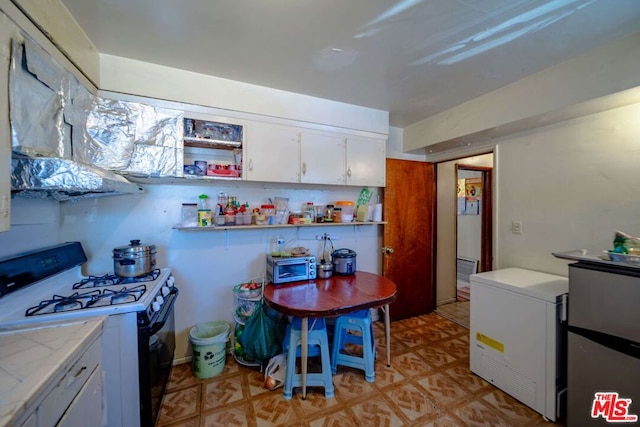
173	295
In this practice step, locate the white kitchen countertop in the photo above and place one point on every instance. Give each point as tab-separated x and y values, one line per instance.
31	357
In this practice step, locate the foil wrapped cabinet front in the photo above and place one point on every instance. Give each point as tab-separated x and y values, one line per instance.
53	115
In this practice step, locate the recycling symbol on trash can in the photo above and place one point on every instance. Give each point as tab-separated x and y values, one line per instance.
208	356
196	355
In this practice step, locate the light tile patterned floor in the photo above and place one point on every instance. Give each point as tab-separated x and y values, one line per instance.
458	312
428	384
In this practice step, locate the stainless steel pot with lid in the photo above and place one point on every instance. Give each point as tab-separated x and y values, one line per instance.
344	261
134	259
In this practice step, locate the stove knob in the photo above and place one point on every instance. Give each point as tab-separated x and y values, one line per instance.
171	281
165	291
155	306
159	300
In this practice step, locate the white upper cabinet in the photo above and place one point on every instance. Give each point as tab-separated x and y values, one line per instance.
272	153
291	154
365	162
322	158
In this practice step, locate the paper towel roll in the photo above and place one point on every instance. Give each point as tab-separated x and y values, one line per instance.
377	212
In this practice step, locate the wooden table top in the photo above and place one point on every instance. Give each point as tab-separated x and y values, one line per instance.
330	297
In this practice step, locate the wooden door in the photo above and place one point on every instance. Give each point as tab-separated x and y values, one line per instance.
409	236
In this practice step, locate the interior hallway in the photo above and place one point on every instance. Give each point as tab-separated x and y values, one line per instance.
428	384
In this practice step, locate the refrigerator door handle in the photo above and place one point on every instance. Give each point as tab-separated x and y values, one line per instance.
564	303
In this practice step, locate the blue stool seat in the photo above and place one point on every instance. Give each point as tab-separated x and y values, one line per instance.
360	322
318	345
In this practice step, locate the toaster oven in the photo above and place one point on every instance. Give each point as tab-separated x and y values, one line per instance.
290	269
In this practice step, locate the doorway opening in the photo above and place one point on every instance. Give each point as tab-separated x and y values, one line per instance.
462	247
474	224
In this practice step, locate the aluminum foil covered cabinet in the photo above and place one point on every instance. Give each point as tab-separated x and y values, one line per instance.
66	142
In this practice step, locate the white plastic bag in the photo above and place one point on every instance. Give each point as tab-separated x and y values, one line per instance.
276	372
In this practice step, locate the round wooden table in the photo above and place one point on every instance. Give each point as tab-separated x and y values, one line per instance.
329	298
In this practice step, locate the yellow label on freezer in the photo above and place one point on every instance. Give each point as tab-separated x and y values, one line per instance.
496	345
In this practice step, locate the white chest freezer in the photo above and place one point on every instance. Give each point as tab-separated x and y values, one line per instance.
518	336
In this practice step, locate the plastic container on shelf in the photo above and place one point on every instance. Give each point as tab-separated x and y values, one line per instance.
337	214
328	213
205	215
189	215
347	207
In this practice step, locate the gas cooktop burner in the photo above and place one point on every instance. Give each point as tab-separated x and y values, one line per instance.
95	298
121	296
60	303
112	279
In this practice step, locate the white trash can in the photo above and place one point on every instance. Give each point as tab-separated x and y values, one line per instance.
209	348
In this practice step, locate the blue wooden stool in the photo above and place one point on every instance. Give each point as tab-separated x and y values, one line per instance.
318	345
357	321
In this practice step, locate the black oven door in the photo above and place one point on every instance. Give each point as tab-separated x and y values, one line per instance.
156	347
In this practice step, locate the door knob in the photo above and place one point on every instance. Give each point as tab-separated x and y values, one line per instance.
387	250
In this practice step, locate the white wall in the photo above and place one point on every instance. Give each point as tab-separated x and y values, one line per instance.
394	147
571	184
35	223
206	264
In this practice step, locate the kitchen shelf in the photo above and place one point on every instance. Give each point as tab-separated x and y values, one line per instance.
255	227
211	143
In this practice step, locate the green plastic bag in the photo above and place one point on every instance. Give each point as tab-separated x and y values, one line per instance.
263	334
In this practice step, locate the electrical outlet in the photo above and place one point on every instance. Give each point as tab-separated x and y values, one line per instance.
334	236
516	227
319	237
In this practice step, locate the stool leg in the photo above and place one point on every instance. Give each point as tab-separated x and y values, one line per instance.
337	336
368	349
291	365
327	369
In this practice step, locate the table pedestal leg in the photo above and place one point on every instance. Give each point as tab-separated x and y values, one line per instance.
304	330
387	332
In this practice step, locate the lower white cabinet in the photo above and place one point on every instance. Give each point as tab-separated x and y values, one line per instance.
76	398
87	405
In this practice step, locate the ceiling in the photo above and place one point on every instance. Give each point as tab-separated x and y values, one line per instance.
413	58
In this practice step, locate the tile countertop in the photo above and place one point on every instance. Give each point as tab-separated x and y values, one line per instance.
31	356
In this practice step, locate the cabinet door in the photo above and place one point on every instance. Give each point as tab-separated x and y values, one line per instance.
86	408
366	162
322	158
5	140
273	153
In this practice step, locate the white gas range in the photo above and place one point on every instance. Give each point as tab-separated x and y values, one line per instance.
139	334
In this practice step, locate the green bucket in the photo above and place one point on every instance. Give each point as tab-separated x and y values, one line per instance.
209	348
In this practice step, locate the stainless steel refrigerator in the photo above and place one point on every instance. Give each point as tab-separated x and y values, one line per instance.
603	360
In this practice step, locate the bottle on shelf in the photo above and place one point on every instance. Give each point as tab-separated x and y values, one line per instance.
309	213
204	212
281	243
